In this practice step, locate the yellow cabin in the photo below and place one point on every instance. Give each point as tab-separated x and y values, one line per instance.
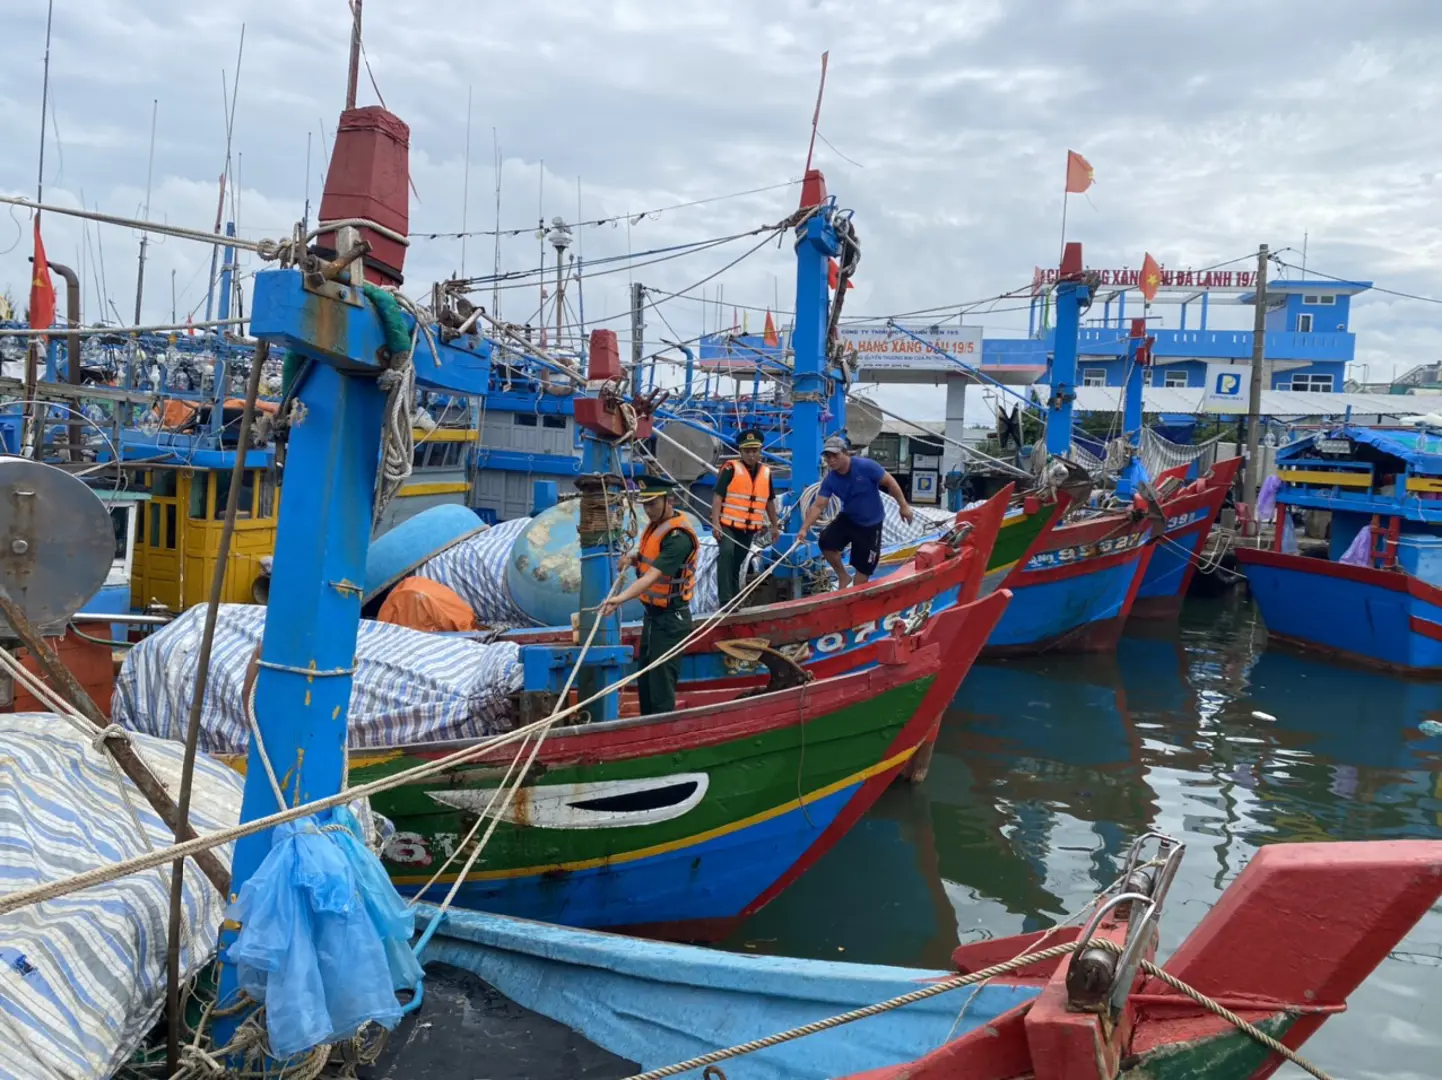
179	536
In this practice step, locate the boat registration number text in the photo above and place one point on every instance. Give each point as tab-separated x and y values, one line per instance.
1065	556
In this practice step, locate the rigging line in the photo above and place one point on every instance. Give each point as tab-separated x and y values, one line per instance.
678	249
634	216
1349	281
838	153
774	231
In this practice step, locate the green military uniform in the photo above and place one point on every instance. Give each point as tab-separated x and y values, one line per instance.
664	629
733	544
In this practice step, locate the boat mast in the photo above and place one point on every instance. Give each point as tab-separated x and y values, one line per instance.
145	215
353	75
228	99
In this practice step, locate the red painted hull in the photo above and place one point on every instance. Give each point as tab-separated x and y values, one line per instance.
1165	584
1258	952
930	574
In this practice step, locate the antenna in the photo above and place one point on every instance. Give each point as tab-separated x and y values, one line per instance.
466	186
816	116
496	278
44	104
305	217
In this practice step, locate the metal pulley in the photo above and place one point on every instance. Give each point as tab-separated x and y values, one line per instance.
56	542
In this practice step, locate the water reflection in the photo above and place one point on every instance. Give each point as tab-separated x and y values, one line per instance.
1047	769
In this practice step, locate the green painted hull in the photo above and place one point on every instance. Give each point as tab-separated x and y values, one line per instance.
688	820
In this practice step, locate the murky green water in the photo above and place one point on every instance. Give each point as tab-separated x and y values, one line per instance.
1047	769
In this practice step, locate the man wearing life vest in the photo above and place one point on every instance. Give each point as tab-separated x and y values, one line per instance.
665	565
743	502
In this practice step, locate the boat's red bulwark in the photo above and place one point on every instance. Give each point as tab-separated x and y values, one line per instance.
1290	939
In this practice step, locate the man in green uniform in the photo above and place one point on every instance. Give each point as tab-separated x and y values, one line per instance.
743	503
665	562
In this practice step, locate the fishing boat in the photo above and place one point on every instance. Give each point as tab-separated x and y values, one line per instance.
1191	511
1091	1014
1375	597
1073	585
682	824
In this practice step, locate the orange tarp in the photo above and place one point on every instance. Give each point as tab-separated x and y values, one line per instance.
422	604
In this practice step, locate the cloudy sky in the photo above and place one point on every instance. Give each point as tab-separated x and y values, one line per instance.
1212	126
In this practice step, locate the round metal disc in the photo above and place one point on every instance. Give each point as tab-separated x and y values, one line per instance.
56	541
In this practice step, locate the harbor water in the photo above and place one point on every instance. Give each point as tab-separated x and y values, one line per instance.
1046	770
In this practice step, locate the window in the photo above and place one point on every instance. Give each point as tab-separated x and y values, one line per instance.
197	494
1320	384
267	494
1094	376
1327	301
523	419
1175	380
558	422
1310	299
1304	323
120	522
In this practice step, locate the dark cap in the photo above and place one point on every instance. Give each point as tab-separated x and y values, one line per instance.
835	445
751	438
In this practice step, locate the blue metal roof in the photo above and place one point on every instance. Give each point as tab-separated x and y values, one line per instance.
1421	450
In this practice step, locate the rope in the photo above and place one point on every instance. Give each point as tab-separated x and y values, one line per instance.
22	898
399	382
960	981
122	331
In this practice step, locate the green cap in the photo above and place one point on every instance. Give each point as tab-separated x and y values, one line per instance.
654	487
750	438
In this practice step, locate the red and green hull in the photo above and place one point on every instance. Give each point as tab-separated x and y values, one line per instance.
680	825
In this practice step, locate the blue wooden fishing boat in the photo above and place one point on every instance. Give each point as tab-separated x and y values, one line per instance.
1376	596
653	1005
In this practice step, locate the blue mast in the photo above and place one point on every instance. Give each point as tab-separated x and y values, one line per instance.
1071	294
1138	365
816	242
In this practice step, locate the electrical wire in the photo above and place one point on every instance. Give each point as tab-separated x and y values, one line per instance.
635	217
1353	281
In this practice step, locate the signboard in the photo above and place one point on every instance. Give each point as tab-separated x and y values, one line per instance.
885	349
1227	385
1126	277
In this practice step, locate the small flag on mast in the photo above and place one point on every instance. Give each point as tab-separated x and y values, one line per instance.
833	275
42	289
770	338
1079	173
1150	279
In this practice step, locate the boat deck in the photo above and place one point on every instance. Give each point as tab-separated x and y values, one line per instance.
466	1029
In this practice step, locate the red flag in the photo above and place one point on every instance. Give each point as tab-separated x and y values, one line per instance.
1150	279
833	275
770	337
42	290
1079	173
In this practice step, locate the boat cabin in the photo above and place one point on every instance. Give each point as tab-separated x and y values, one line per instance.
178	541
1387	481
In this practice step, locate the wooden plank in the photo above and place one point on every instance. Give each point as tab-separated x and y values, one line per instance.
1328	479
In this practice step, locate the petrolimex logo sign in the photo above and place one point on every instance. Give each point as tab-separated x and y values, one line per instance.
1227	385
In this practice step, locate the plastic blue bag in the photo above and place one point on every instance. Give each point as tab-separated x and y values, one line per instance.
309	946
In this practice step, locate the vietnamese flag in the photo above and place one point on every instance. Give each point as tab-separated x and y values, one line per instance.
42	289
1150	279
1079	173
833	275
770	337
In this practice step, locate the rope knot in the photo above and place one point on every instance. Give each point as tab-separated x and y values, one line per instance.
390	379
108	732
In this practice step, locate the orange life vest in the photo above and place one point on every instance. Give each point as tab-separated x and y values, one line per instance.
744	506
664	593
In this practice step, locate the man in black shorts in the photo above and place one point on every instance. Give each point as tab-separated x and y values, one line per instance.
858	483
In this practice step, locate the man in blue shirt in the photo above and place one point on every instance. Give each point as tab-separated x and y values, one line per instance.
858	483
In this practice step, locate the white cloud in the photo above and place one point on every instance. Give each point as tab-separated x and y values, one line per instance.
1206	138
